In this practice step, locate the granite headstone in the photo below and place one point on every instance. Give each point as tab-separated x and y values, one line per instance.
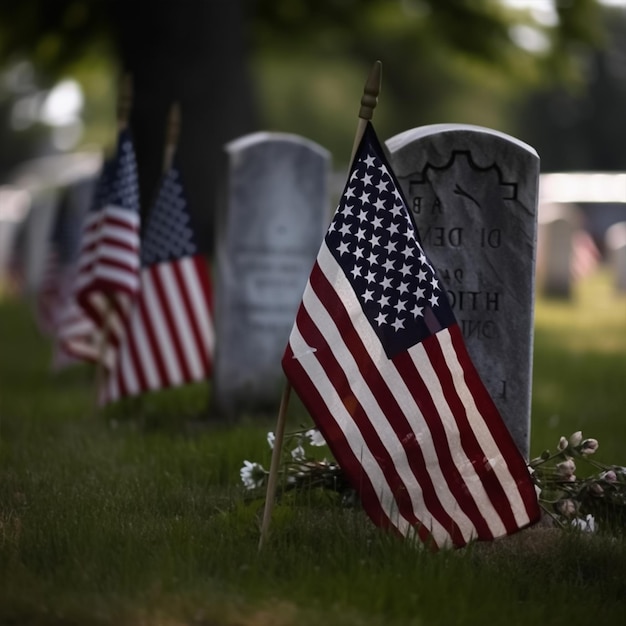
273	211
615	242
557	226
473	194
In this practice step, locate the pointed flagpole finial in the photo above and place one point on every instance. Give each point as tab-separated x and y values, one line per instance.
369	99
172	133
124	100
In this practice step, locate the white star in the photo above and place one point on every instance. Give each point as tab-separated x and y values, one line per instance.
385	283
407	252
434	283
381	318
393	228
343	248
421	275
398	324
364	198
368	296
332	226
396	210
417	311
369	160
383	302
406	269
345	229
360	234
377	222
403	287
372	258
382	185
375	240
362	215
349	193
347	209
367	179
388	265
358	253
371	277
380	204
419	293
400	305
433	300
356	271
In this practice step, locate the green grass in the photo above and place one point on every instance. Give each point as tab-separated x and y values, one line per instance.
135	516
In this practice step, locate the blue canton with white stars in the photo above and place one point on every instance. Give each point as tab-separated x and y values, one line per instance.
169	234
374	240
118	184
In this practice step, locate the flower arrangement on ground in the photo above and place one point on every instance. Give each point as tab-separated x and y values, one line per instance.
573	489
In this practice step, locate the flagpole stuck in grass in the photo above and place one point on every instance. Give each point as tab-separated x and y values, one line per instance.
369	100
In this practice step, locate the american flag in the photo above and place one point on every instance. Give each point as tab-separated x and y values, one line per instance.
55	281
379	361
169	336
107	279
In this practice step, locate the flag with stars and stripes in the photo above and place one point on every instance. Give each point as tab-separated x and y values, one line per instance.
107	276
378	359
169	336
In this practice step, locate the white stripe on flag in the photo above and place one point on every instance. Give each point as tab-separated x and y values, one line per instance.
351	433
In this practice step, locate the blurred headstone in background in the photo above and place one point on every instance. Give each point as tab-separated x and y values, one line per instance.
473	195
558	224
615	243
273	210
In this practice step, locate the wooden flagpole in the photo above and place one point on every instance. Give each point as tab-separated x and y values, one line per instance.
369	100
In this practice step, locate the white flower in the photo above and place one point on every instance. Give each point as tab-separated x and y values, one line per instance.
589	446
563	443
298	454
576	438
252	475
270	440
587	525
315	437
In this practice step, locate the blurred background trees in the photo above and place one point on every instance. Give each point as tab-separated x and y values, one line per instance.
551	73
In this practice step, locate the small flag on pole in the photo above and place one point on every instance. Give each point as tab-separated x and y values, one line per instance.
107	279
169	335
379	361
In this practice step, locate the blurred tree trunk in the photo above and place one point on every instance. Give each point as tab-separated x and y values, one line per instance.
193	52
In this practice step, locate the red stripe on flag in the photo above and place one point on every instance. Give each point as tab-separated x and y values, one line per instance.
384	398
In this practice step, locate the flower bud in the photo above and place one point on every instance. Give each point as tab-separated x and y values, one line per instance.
566	507
610	476
566	468
596	489
575	438
589	446
562	444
